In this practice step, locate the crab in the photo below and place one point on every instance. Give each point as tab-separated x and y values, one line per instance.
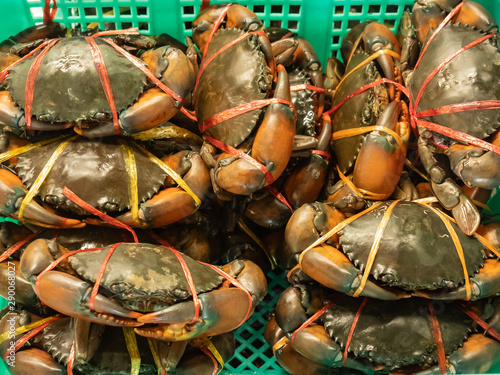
103	349
456	77
145	284
416	253
125	103
376	159
387	336
236	75
83	166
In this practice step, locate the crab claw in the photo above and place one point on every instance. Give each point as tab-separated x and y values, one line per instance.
174	322
70	296
484	284
12	193
241	177
36	361
331	268
476	356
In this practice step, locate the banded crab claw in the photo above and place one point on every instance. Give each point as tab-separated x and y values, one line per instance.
146	284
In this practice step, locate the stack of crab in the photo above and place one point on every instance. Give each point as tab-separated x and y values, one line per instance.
412	245
268	163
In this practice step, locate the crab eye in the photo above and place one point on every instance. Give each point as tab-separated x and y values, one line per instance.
119	288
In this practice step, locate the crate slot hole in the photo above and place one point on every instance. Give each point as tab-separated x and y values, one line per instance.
276	9
144	26
245	353
188	9
352	23
142	11
125	11
235	362
108	11
356	9
337	25
258	8
256	325
374	9
391	9
338	9
188	25
269	353
126	25
90	11
72	12
109	26
293	25
335	39
245	335
275	23
294	9
390	23
257	344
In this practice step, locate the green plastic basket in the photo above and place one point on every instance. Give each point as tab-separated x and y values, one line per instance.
322	22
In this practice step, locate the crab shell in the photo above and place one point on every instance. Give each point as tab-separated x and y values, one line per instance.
361	110
68	87
416	250
236	76
91	169
144	277
472	76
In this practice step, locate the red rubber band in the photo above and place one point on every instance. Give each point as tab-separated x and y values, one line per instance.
353	327
438	29
307	87
54	264
239	110
48	14
287	35
207	352
237	284
190	282
278	195
130	31
233	151
110	220
28	336
140	65
5	72
214	28
100	275
104	78
445	62
11	250
71	360
31	79
460	107
204	4
403	89
190	114
312	319
436	332
322	153
480	321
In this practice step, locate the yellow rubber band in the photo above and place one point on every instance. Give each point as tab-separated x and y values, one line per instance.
169	171
458	247
5	336
415	169
131	168
257	240
335	229
375	246
153	346
366	61
362	193
21	150
346	133
43	175
133	350
282	342
210	346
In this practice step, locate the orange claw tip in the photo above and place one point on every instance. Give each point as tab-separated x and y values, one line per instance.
281	68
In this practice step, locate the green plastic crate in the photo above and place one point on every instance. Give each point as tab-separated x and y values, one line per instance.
322	22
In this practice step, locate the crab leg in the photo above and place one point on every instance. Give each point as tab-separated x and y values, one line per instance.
215	316
12	191
476	356
485	283
331	268
446	190
241	177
